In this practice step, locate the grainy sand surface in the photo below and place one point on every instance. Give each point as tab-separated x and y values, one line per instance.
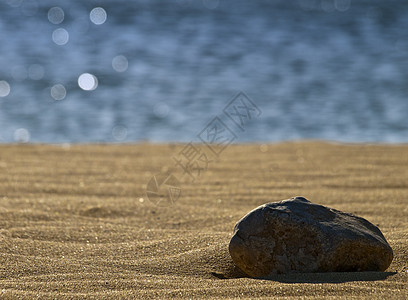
75	221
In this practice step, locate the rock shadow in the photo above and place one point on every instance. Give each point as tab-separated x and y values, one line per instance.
330	277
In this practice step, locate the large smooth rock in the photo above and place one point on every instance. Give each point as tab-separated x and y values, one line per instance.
296	235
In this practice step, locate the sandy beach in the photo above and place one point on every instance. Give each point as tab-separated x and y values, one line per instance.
76	223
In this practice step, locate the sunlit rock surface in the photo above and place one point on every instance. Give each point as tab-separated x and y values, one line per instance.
296	235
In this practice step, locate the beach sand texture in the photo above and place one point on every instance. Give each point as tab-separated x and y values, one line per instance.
75	222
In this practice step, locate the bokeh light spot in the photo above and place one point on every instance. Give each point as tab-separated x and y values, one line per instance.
36	72
119	132
60	36
98	15
4	88
21	135
58	92
14	3
120	63
161	110
263	148
87	82
56	15
342	5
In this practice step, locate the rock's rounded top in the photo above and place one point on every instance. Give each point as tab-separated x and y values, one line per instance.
298	198
296	235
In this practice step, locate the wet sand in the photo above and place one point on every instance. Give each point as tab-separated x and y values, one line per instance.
76	223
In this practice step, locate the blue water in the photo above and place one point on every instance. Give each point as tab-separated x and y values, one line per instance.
335	70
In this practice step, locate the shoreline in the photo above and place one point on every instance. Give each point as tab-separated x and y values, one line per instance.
243	143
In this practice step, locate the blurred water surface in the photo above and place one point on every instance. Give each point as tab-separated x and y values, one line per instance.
115	70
